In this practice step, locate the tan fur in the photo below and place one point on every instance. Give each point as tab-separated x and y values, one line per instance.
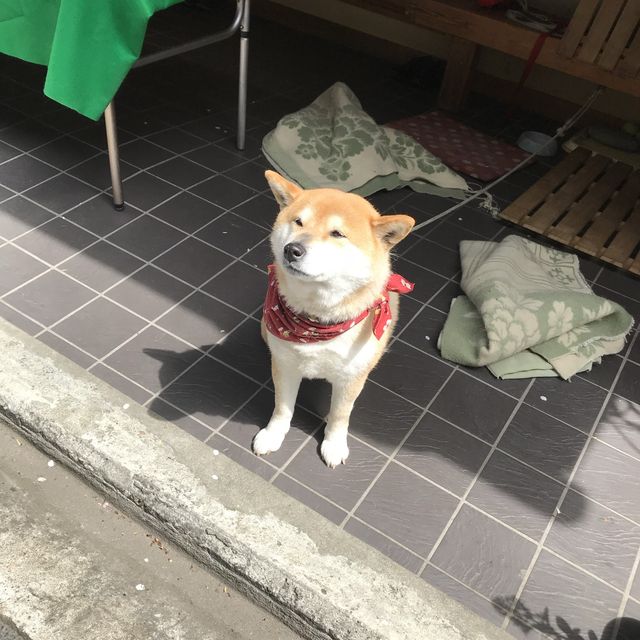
360	267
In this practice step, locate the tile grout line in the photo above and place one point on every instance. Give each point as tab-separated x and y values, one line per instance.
205	143
58	169
101	295
465	372
463	499
56	269
474	591
105	238
435	273
204	354
141	212
497	388
189	235
623	295
22	194
152	324
604	506
139	171
564	493
449	492
323	419
509	395
412	345
285	464
216	432
413	403
380	533
100	360
149	323
472	506
610	446
282	469
627	592
254	195
395	450
110	368
354	516
233	414
83	351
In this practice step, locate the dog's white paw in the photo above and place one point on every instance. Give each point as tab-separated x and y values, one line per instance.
334	452
268	440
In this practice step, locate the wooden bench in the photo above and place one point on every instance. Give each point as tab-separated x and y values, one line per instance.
587	201
601	43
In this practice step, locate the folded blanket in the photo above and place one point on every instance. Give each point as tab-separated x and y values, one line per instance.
334	143
529	312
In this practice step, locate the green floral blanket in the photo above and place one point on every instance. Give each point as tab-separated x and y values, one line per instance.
529	312
334	143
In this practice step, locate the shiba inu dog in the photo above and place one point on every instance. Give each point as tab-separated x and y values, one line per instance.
331	303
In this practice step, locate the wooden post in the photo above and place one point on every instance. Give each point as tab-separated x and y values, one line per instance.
455	84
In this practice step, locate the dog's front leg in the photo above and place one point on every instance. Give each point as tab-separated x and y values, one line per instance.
334	449
286	381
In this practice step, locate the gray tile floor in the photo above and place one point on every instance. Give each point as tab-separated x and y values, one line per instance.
518	498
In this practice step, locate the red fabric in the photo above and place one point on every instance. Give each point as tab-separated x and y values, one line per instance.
284	323
533	56
460	147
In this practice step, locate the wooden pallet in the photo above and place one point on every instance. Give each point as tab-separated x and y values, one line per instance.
588	202
605	33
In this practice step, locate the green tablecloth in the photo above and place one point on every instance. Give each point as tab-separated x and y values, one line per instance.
87	45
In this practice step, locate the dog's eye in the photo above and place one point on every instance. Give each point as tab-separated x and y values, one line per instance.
298	222
336	234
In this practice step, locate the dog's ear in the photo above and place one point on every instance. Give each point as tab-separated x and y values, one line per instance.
284	191
392	229
163	355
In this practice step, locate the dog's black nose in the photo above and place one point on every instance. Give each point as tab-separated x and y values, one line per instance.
294	251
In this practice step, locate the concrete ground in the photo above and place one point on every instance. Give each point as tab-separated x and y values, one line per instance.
322	582
72	566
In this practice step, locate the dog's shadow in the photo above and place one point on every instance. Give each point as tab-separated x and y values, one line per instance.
374	421
193	395
251	360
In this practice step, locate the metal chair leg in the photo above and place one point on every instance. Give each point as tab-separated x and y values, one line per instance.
114	156
242	76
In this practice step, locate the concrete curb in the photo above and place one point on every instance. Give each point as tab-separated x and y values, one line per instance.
319	580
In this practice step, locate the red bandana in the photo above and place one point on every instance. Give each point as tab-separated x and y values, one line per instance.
284	323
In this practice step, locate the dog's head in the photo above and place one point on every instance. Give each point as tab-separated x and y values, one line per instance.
327	235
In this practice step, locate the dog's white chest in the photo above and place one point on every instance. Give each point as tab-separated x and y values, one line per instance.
346	356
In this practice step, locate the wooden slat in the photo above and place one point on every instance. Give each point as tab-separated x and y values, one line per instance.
617	42
597	35
399	9
557	203
630	63
635	266
580	22
618	252
535	196
588	206
609	212
594	239
455	84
